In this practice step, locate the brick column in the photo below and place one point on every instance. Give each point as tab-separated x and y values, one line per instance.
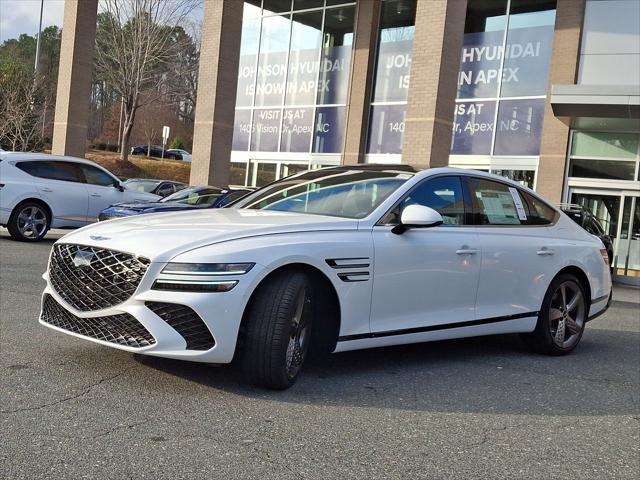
433	85
563	70
217	83
74	78
360	88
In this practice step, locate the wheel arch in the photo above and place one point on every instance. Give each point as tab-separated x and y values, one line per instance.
324	339
33	200
582	278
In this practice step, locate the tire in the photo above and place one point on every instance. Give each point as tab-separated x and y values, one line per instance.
560	324
29	222
277	331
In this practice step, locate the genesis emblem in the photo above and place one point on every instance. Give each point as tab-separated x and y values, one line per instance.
97	238
83	258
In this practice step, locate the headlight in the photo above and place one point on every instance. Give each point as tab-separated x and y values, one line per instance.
207	268
192	277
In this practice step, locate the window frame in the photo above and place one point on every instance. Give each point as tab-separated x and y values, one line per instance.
52	163
476	210
466	201
81	166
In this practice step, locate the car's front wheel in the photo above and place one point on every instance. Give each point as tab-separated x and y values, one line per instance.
562	318
29	222
278	330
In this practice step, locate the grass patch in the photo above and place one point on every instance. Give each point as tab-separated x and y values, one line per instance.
141	167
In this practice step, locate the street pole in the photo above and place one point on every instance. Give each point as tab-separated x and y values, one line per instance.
35	68
120	123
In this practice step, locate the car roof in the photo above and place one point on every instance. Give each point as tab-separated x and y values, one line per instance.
44	157
154	180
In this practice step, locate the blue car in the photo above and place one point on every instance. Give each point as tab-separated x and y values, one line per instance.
186	199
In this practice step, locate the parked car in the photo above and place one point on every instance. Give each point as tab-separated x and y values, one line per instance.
154	151
184	155
40	191
343	258
587	220
161	188
186	199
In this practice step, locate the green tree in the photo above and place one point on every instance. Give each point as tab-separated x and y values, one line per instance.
177	143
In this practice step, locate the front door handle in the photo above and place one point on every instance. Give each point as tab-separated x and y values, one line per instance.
466	251
545	251
47	189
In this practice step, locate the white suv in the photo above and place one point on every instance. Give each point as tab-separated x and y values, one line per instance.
40	191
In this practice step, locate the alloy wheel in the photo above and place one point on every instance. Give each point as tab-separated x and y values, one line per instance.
567	314
299	334
32	222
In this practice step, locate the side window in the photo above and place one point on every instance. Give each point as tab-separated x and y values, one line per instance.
232	197
165	189
52	170
95	176
496	203
443	194
539	213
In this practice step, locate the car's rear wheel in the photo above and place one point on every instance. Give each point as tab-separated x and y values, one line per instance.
29	222
278	330
562	318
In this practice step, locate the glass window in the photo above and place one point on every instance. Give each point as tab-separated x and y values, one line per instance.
274	44
264	173
329	129
306	35
606	169
232	197
296	129
337	192
519	127
304	4
64	171
247	61
287	169
443	194
266	129
473	128
495	203
238	173
333	83
523	177
538	212
241	130
601	144
141	185
95	176
386	128
197	196
275	6
165	189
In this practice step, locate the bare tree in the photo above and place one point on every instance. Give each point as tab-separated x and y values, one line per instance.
21	102
136	41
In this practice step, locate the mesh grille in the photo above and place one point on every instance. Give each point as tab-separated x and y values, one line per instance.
121	329
90	278
186	322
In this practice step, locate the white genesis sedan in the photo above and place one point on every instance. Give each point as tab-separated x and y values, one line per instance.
332	260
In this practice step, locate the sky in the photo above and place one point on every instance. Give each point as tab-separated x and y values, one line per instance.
22	16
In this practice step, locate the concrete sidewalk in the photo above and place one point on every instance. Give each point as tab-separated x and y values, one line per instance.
626	293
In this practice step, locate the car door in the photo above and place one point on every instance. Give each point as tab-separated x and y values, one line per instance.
426	276
519	255
59	184
103	190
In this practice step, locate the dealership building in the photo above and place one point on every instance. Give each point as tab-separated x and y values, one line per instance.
544	92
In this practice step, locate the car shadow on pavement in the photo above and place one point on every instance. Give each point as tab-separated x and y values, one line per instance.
478	375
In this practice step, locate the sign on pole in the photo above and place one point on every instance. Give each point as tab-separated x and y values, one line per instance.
165	137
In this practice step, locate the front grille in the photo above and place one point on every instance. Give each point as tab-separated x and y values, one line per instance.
90	278
186	322
121	329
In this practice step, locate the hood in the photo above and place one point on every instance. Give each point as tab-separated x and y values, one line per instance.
162	236
155	206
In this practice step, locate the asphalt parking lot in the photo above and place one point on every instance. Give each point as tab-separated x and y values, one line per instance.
475	408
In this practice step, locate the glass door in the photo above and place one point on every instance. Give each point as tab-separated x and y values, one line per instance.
620	217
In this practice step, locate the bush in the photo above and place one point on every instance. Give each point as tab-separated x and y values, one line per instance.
176	143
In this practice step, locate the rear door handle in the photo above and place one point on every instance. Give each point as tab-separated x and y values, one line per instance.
545	251
466	251
97	195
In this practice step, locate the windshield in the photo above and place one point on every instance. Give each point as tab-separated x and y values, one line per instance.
197	196
335	192
140	185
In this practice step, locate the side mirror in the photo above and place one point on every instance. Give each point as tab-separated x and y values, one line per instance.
417	216
118	186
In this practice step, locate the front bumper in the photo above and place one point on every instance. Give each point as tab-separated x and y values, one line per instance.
220	312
